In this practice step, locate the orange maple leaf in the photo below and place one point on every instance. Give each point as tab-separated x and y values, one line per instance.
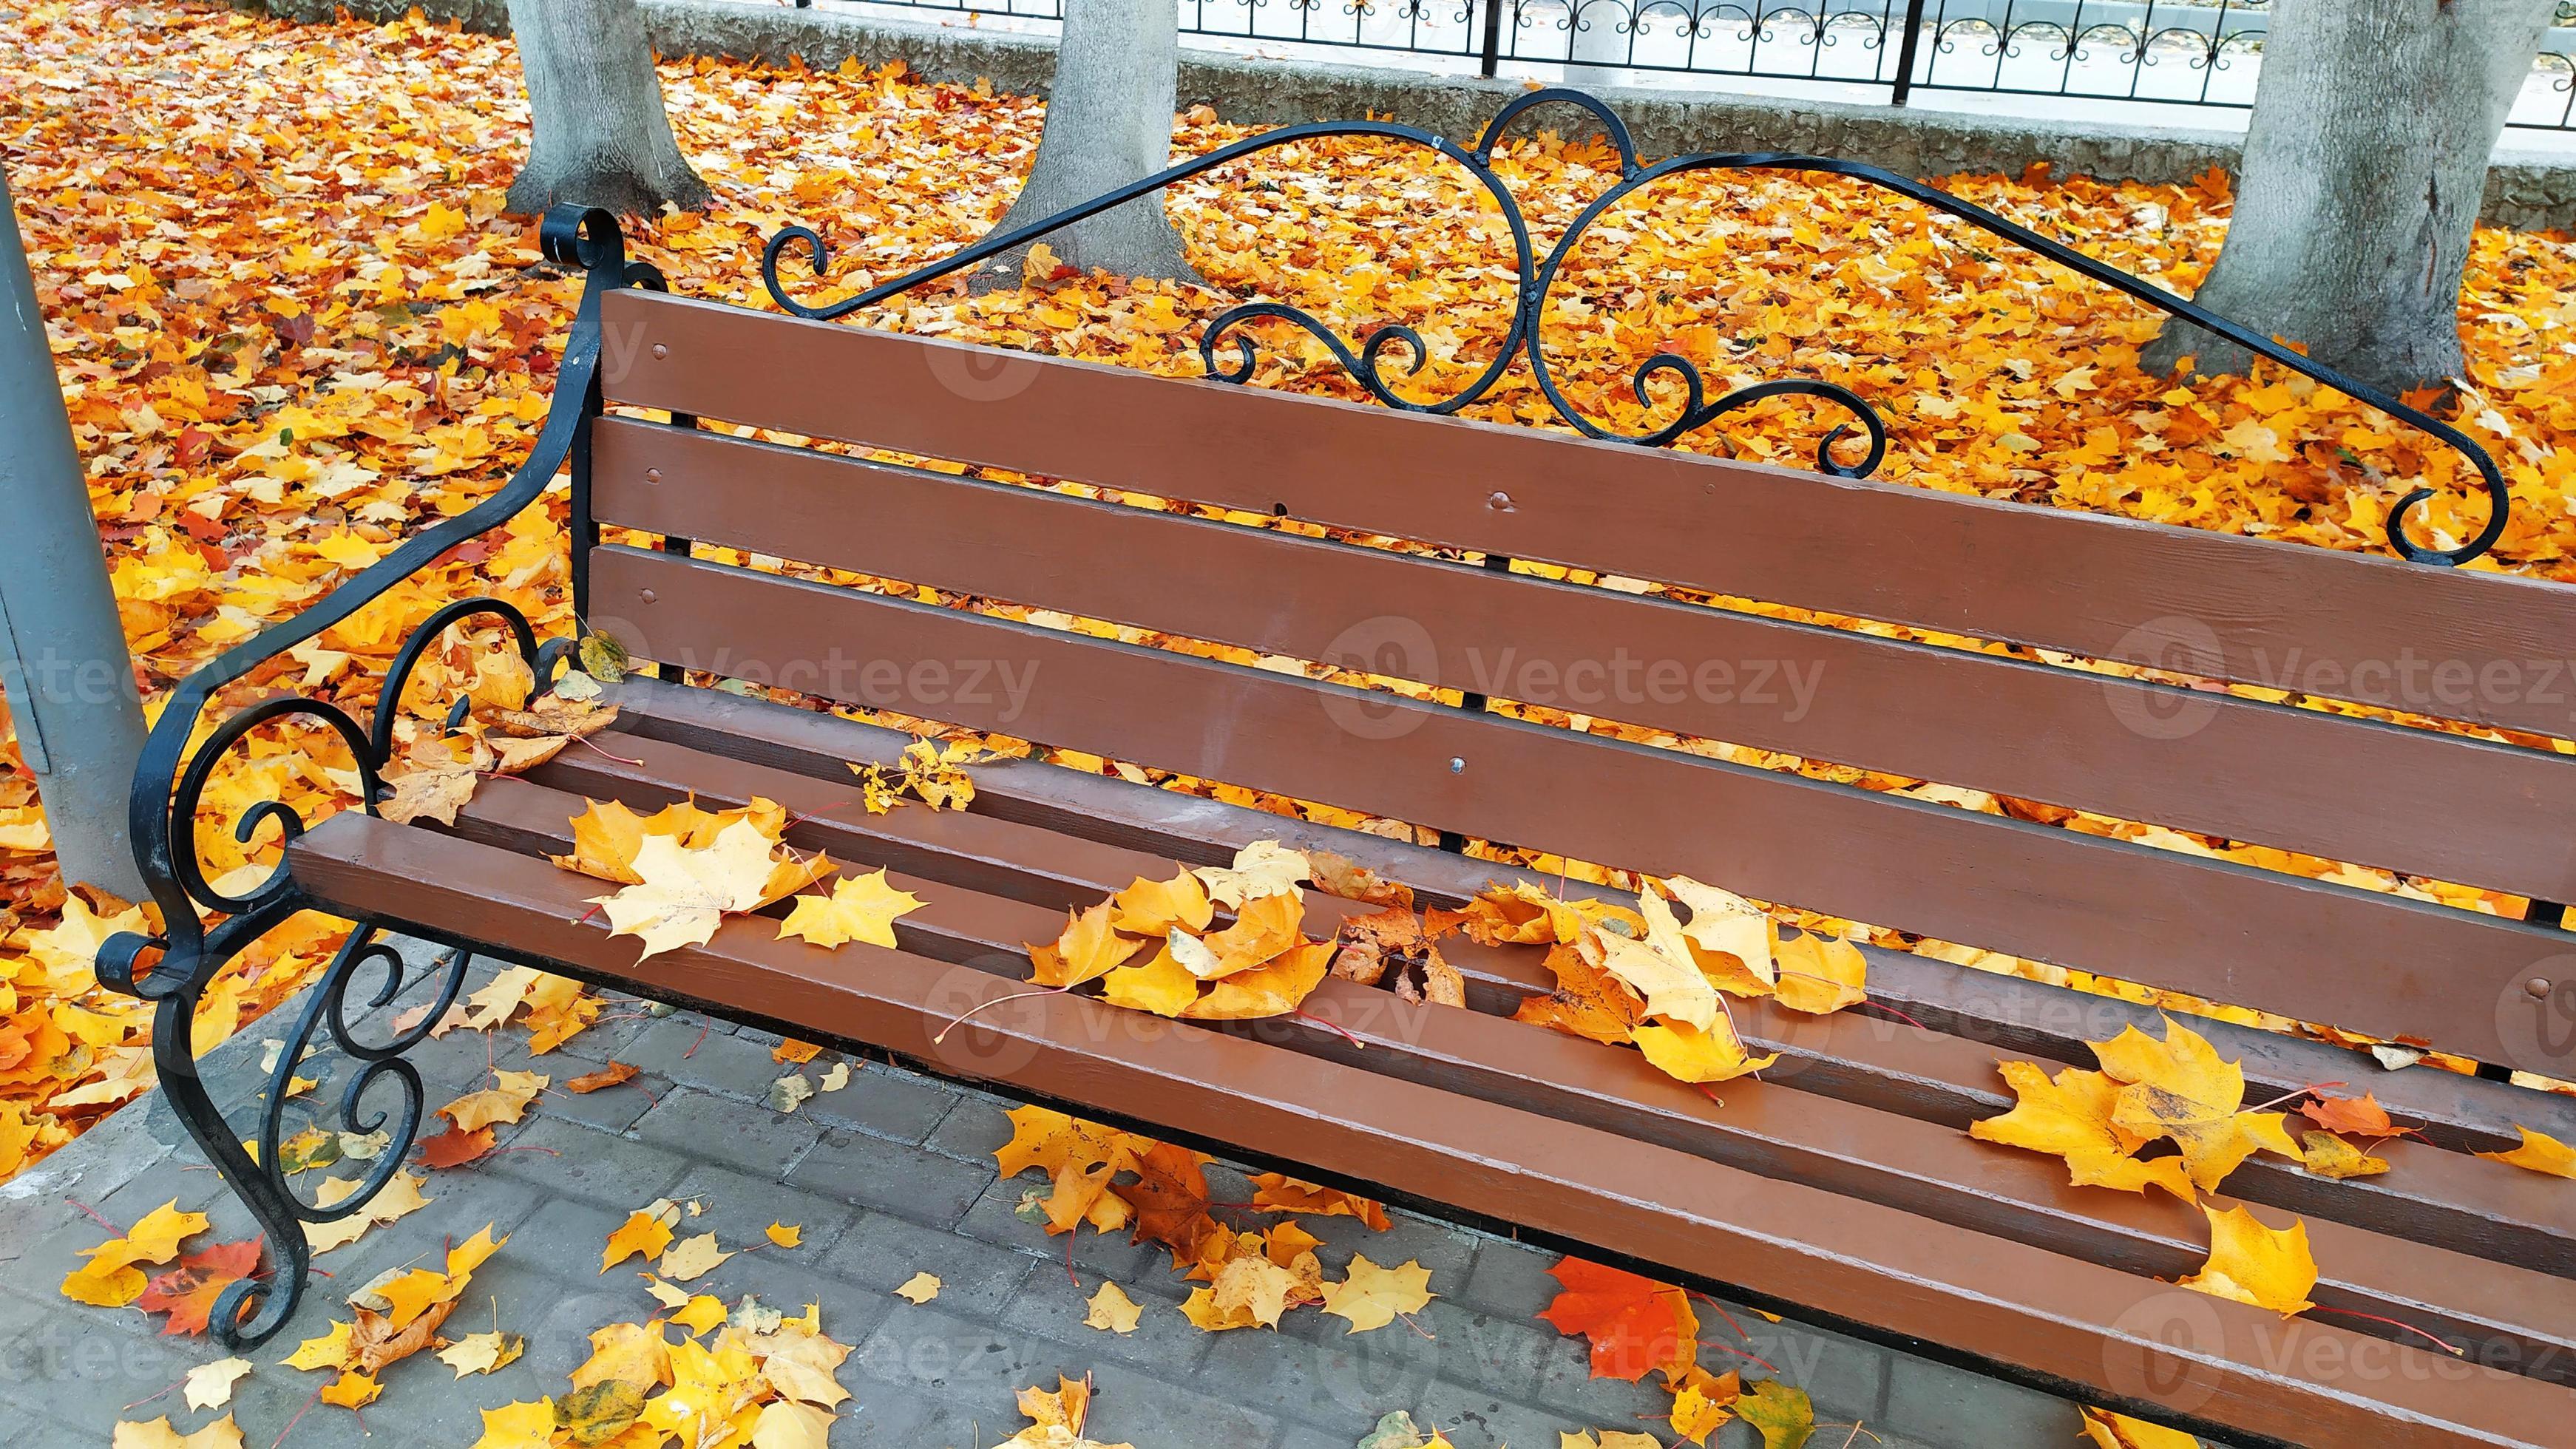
188	1292
1635	1323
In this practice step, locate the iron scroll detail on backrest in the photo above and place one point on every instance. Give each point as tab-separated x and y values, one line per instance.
1537	277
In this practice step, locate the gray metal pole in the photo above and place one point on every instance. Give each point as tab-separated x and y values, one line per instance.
63	661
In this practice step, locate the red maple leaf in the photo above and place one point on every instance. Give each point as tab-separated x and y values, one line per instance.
1635	1323
2355	1116
453	1148
188	1292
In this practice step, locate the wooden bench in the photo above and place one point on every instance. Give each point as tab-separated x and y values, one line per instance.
1838	1187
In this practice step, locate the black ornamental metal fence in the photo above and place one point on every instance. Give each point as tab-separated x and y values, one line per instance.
2170	52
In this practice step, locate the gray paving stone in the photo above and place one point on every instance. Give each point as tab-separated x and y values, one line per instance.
890	1177
1944	1408
881	1412
884	1100
561	1237
1447	1251
684	1049
740	1206
1340	1388
1053	1306
974	1128
959	1360
746	1135
1144	1409
978	1279
578	1161
1509	1278
1481	1414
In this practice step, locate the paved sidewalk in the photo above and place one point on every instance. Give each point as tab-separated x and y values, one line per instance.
890	1176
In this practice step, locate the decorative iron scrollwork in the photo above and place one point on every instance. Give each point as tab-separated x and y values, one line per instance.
174	968
1537	277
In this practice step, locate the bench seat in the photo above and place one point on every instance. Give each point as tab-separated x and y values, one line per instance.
1840	1187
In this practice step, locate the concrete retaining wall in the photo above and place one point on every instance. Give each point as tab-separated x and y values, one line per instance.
2523	190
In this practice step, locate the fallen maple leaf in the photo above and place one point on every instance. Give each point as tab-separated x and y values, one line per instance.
1691	1055
919	1288
683	893
2539	1152
1633	1323
691	1258
1820	974
1263	868
210	1385
188	1292
1274	1192
482	1353
1111	1310
1089	948
2352	1116
2267	1267
1785	1415
2331	1156
2180	1088
2071	1117
506	1101
646	1231
157	1434
608	1076
1371	1296
859	908
110	1278
2118	1431
454	1147
786	1236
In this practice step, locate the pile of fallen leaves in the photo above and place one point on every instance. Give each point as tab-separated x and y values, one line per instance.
293	328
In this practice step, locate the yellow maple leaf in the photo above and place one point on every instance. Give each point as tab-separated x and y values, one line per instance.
2118	1431
682	893
1162	985
2267	1267
786	1236
1692	1055
1674	988
2331	1156
1111	1310
646	1231
505	1102
1088	948
518	1426
1263	868
2071	1117
2181	1088
919	1288
1271	990
482	1353
1728	937
859	908
157	1434
1821	974
1154	907
1371	1296
2539	1152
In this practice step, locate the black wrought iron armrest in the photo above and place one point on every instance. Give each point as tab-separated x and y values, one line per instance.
171	781
1538	276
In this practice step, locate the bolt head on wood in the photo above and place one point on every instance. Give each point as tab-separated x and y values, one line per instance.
649	596
2537	988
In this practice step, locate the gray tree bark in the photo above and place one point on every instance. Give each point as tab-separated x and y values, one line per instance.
601	135
2364	167
63	663
1108	122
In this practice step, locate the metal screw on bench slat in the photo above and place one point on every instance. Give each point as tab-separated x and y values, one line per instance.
652	475
661	350
649	596
2537	988
1457	766
1500	502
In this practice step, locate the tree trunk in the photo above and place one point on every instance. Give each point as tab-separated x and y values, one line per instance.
601	136
2365	164
1108	122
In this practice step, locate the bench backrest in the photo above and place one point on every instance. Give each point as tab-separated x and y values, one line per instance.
2477	648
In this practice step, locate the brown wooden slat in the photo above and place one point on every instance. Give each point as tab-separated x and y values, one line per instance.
2376	1230
2466	645
2226	932
2039	1314
2245	770
2009	1014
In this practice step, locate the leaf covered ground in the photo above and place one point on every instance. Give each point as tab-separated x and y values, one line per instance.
293	327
